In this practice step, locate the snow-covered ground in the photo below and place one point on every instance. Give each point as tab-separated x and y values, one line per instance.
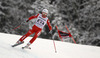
43	48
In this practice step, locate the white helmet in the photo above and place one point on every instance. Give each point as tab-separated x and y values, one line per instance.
45	10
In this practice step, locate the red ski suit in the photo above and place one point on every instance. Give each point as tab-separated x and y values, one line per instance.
36	28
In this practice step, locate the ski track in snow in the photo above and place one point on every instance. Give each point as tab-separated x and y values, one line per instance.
43	48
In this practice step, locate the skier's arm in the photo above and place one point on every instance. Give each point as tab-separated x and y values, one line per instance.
32	17
49	25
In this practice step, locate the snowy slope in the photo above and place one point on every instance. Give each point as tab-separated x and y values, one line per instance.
43	48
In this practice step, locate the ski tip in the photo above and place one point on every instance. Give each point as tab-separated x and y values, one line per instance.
25	48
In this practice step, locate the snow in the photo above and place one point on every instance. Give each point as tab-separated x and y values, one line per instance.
43	48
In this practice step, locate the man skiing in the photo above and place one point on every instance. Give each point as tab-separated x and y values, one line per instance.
41	20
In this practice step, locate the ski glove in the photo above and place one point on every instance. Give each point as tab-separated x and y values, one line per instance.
27	20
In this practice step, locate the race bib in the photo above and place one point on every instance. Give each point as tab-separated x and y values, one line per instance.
40	22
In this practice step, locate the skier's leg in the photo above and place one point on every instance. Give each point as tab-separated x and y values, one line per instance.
26	35
20	41
37	33
34	38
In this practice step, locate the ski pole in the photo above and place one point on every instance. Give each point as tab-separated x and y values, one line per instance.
53	42
17	26
54	46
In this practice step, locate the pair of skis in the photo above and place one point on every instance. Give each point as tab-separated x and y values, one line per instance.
20	44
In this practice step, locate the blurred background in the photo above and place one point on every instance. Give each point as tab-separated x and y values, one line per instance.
82	17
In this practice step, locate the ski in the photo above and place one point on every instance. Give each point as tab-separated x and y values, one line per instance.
17	44
26	47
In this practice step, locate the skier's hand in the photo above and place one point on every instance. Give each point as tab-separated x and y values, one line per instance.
27	20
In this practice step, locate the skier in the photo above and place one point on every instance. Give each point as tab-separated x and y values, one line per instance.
41	20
